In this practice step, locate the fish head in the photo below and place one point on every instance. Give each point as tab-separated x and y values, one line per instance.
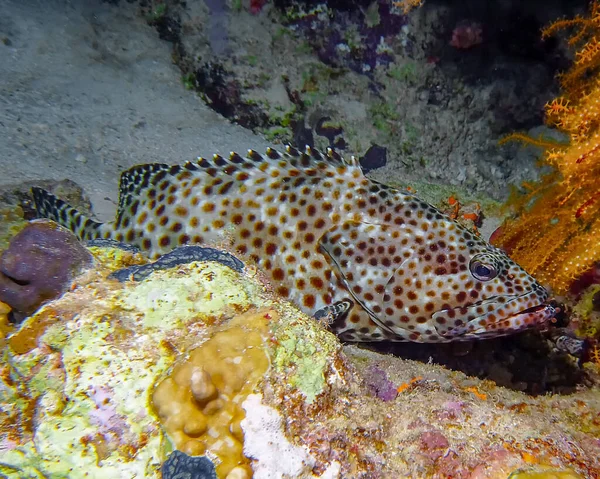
436	285
466	289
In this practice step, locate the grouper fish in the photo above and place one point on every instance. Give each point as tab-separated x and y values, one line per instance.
378	262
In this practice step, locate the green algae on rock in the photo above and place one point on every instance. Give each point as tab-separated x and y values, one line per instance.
85	366
86	376
303	353
12	222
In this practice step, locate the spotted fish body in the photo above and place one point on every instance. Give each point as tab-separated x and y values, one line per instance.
387	265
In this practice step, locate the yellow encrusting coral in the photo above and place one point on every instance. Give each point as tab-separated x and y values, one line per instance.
587	319
555	236
199	403
5	327
545	473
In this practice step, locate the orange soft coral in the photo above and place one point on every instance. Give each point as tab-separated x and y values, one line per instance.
556	235
584	38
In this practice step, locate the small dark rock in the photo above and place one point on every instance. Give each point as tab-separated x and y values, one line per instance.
168	26
182	466
180	255
225	96
111	243
375	157
596	301
329	130
38	265
303	136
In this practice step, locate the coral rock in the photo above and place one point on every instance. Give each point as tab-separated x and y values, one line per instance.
110	378
38	265
85	365
200	402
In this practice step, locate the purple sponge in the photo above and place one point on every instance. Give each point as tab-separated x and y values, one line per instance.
38	266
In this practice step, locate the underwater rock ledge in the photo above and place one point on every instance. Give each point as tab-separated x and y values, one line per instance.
112	377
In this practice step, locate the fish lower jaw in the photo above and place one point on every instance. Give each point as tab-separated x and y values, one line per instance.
537	316
477	328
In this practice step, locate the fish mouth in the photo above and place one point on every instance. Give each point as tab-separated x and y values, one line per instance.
542	313
535	309
500	323
536	316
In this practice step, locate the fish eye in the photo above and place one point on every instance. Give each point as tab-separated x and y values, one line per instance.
482	271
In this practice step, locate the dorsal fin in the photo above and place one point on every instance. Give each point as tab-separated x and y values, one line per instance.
311	157
49	206
233	169
292	157
136	179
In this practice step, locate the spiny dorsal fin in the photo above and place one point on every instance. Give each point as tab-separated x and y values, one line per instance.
49	206
292	157
136	179
311	157
227	171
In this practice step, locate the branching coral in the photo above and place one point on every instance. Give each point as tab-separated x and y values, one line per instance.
555	235
585	39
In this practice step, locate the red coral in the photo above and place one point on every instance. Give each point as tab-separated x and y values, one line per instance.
466	34
256	6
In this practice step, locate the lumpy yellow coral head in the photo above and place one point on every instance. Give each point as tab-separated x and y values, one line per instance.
199	403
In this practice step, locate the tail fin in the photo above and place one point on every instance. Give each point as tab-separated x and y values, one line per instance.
49	206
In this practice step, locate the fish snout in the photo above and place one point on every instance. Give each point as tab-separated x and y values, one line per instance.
498	316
